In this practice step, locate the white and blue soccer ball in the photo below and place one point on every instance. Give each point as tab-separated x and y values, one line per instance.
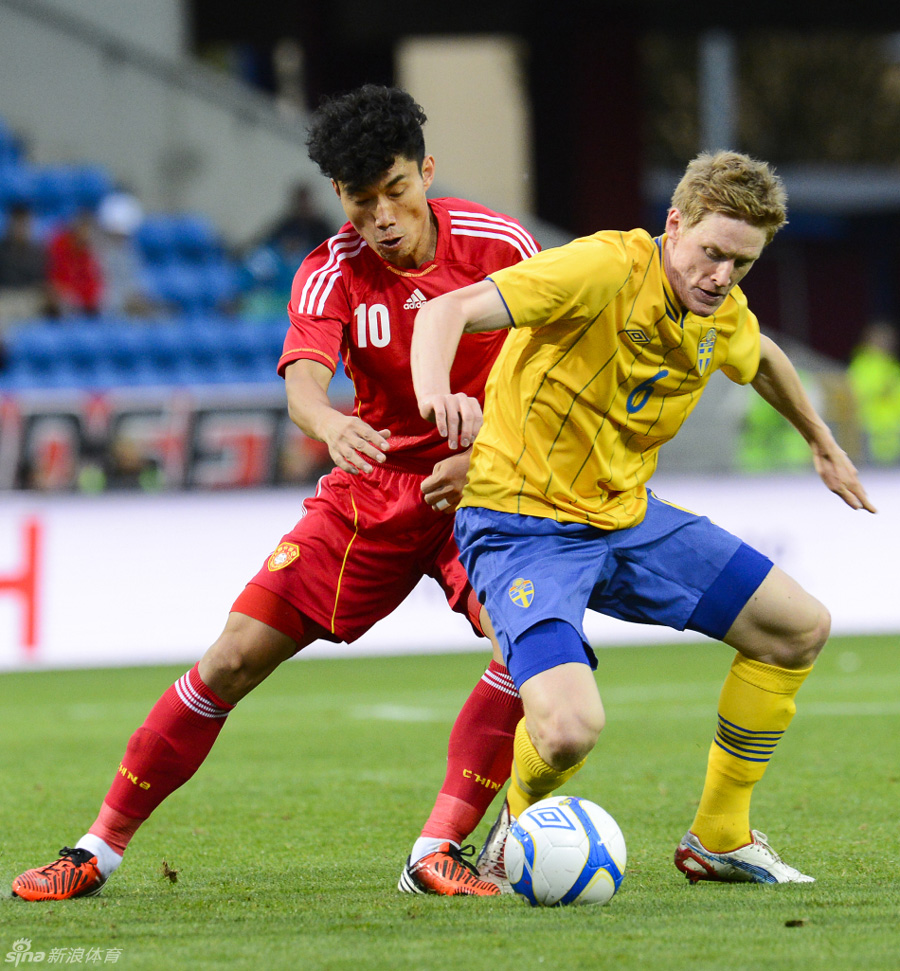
565	850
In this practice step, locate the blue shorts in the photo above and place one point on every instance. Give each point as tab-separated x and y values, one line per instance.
674	569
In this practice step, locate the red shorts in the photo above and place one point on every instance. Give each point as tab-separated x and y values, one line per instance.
363	544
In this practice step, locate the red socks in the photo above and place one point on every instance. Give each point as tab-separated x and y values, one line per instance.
161	756
183	725
479	756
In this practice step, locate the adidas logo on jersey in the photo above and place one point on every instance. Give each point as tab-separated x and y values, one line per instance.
415	301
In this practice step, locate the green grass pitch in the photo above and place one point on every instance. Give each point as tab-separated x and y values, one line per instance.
284	850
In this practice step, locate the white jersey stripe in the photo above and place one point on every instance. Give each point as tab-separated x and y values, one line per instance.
483	221
335	243
325	278
523	243
498	225
320	282
332	279
523	252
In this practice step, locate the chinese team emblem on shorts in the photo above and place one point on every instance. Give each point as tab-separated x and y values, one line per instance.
283	556
521	593
705	350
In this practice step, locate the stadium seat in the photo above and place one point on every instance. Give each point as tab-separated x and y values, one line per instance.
17	184
155	239
194	237
180	284
11	151
22	374
91	184
220	283
54	191
84	343
37	344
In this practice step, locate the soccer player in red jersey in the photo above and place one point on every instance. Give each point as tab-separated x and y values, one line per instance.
379	522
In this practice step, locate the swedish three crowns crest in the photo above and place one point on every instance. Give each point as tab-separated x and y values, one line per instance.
705	350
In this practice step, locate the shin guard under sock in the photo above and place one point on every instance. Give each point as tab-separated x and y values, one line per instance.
479	756
755	708
161	756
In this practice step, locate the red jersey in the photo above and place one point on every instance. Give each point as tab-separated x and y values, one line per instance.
348	302
74	271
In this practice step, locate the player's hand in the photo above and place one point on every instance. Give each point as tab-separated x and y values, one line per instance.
353	444
839	474
442	490
457	416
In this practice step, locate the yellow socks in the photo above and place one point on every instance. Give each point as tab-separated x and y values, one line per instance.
532	779
755	708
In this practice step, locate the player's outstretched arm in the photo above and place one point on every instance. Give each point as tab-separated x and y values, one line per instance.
351	442
778	383
439	326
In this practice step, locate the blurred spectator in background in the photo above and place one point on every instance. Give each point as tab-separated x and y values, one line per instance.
288	61
302	221
268	268
74	272
266	275
23	267
874	375
128	467
768	442
124	293
24	292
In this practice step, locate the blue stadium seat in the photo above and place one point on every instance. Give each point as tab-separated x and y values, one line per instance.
92	184
84	343
37	344
11	150
167	344
179	238
17	184
220	283
62	374
195	237
178	283
22	374
55	191
155	238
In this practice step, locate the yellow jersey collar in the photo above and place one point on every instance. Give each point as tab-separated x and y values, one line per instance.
674	311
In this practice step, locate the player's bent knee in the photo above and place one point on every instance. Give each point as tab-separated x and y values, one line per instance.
565	740
814	638
244	654
799	647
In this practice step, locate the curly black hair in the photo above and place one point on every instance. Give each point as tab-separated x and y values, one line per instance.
355	138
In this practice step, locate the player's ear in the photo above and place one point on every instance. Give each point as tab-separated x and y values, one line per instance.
674	223
428	171
337	188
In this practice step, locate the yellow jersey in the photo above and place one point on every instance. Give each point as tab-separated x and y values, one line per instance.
602	367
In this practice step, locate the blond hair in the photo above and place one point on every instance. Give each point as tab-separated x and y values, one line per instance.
734	185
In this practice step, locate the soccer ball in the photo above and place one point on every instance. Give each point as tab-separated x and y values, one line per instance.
565	850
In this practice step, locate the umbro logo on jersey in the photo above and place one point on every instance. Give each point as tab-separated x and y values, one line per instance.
637	335
415	301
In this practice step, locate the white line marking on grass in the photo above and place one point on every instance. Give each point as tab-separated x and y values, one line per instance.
399	713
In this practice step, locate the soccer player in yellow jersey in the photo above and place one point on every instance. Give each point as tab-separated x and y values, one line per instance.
614	338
